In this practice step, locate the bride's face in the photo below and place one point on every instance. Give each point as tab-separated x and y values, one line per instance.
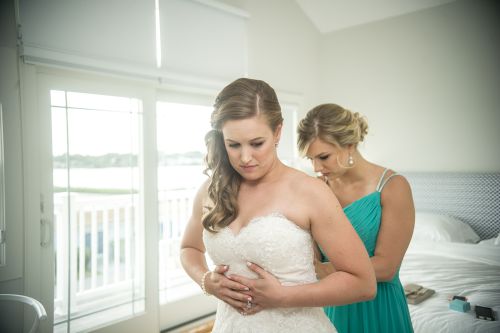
251	146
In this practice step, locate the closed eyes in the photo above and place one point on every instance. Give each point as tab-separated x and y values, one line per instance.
253	144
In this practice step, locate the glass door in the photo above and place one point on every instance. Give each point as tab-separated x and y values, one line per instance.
93	265
181	129
98	225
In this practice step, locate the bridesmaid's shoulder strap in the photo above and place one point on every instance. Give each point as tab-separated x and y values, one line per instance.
382	181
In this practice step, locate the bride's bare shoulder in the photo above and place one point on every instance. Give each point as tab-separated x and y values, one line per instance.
306	184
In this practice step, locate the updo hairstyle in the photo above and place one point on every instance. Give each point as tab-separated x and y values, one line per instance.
332	124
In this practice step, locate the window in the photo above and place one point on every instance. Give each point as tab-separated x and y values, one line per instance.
181	129
287	148
98	200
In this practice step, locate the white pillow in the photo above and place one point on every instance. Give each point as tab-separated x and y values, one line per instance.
492	241
442	228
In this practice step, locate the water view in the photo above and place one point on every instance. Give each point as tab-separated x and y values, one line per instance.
172	177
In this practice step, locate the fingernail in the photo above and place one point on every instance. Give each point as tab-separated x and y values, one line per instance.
225	266
246	288
249	264
249	299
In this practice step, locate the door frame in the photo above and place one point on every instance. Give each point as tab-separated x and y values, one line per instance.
37	81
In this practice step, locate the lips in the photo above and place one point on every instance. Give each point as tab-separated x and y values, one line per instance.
248	167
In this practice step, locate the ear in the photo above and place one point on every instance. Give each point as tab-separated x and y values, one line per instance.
277	133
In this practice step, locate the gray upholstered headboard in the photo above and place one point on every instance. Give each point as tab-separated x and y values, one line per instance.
471	197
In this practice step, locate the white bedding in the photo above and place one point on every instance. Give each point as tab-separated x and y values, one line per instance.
471	270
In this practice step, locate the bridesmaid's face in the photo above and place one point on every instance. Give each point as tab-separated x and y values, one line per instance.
251	146
325	158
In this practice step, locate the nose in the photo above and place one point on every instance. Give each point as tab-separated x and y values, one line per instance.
316	165
246	155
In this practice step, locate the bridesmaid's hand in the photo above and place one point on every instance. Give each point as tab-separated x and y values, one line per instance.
323	178
227	290
266	290
323	268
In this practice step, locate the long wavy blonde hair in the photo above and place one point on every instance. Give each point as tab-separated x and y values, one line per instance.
332	124
243	98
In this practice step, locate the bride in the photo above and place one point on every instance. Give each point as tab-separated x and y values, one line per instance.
254	208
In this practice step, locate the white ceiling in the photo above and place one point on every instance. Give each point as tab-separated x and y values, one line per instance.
331	15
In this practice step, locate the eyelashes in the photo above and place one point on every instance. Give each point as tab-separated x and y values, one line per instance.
321	158
253	144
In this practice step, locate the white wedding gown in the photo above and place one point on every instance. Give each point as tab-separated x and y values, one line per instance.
280	247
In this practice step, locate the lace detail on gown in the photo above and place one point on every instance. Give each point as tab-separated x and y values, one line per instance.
280	247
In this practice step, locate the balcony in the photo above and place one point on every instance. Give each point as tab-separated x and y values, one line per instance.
100	254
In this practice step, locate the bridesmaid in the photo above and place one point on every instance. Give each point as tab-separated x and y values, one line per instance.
379	204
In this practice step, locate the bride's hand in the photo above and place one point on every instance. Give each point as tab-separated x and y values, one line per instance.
266	291
227	290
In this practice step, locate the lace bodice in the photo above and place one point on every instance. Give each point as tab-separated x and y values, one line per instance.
280	247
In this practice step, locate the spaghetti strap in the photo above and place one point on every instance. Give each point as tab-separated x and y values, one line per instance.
383	181
380	180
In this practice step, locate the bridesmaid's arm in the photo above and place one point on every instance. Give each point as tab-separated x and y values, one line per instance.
396	228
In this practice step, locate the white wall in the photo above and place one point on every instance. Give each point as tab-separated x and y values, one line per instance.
283	48
428	83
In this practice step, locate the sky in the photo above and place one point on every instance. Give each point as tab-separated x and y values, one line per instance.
101	124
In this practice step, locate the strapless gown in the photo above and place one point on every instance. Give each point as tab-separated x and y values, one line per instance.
280	247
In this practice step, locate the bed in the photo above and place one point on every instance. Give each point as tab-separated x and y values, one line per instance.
455	250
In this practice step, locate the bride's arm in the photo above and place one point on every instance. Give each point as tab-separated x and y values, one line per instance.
353	279
193	261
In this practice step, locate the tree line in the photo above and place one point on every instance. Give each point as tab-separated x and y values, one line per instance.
114	160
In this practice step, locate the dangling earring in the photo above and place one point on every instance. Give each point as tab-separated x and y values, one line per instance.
350	160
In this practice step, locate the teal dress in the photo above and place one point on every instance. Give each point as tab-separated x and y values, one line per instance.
388	311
